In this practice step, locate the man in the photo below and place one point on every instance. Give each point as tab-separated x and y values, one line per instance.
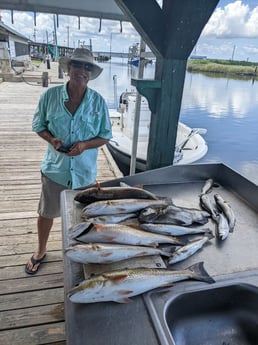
74	120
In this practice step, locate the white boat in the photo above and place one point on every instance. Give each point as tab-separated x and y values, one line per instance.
190	145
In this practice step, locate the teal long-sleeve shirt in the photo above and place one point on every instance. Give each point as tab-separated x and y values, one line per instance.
90	120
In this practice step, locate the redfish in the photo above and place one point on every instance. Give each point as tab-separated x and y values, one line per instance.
119	286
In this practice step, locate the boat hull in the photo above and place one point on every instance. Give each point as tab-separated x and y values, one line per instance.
189	147
123	160
120	149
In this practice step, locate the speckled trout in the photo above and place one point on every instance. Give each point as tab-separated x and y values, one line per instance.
172	214
119	286
106	207
207	186
190	249
106	253
207	205
173	230
226	208
110	218
119	233
222	226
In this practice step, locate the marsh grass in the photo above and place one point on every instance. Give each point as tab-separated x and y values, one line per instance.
228	67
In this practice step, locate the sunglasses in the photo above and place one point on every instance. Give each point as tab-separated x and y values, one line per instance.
78	64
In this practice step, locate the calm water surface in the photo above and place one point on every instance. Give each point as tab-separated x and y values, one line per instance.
227	108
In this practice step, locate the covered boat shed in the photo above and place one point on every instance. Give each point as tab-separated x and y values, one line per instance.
171	29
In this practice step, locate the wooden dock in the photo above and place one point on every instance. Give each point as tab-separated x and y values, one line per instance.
31	307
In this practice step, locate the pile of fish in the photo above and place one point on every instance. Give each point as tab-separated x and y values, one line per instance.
101	238
221	212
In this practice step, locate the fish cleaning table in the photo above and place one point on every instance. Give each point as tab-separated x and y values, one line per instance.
112	323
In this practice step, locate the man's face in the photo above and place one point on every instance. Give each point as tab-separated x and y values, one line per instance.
79	72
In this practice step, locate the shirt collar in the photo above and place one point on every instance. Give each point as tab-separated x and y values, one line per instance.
65	93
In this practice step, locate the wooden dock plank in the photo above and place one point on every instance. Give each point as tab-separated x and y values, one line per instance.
17	270
40	334
31	299
34	315
31	307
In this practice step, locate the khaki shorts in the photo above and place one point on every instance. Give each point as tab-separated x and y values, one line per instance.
49	202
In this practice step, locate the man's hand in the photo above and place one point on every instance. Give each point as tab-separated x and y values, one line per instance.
56	143
77	148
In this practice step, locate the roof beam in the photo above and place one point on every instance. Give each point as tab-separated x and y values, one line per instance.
185	20
148	19
105	9
173	30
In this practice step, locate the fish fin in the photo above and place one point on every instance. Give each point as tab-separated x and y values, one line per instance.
167	199
134	226
118	278
202	221
106	254
123	300
143	253
125	292
209	191
200	273
98	227
207	231
209	235
216	218
153	244
169	250
79	229
167	284
181	241
122	209
111	239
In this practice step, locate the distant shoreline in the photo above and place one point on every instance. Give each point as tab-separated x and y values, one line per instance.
225	67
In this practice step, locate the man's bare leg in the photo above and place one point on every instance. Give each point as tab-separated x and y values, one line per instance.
44	227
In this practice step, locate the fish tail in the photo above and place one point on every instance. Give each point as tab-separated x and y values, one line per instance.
168	251
207	231
169	201
199	273
209	235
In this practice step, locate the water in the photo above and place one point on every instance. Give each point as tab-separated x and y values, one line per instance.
227	108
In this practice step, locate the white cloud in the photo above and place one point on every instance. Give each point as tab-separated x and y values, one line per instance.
234	20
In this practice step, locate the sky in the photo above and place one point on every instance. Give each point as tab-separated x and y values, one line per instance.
231	32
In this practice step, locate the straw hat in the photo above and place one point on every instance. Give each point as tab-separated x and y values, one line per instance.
82	55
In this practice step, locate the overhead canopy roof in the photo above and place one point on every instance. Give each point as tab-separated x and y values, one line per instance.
105	9
170	30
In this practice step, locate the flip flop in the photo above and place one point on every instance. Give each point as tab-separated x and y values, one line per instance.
34	262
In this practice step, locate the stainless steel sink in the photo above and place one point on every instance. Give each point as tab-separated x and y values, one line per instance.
225	313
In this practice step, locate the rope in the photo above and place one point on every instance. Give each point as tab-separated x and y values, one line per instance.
21	74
